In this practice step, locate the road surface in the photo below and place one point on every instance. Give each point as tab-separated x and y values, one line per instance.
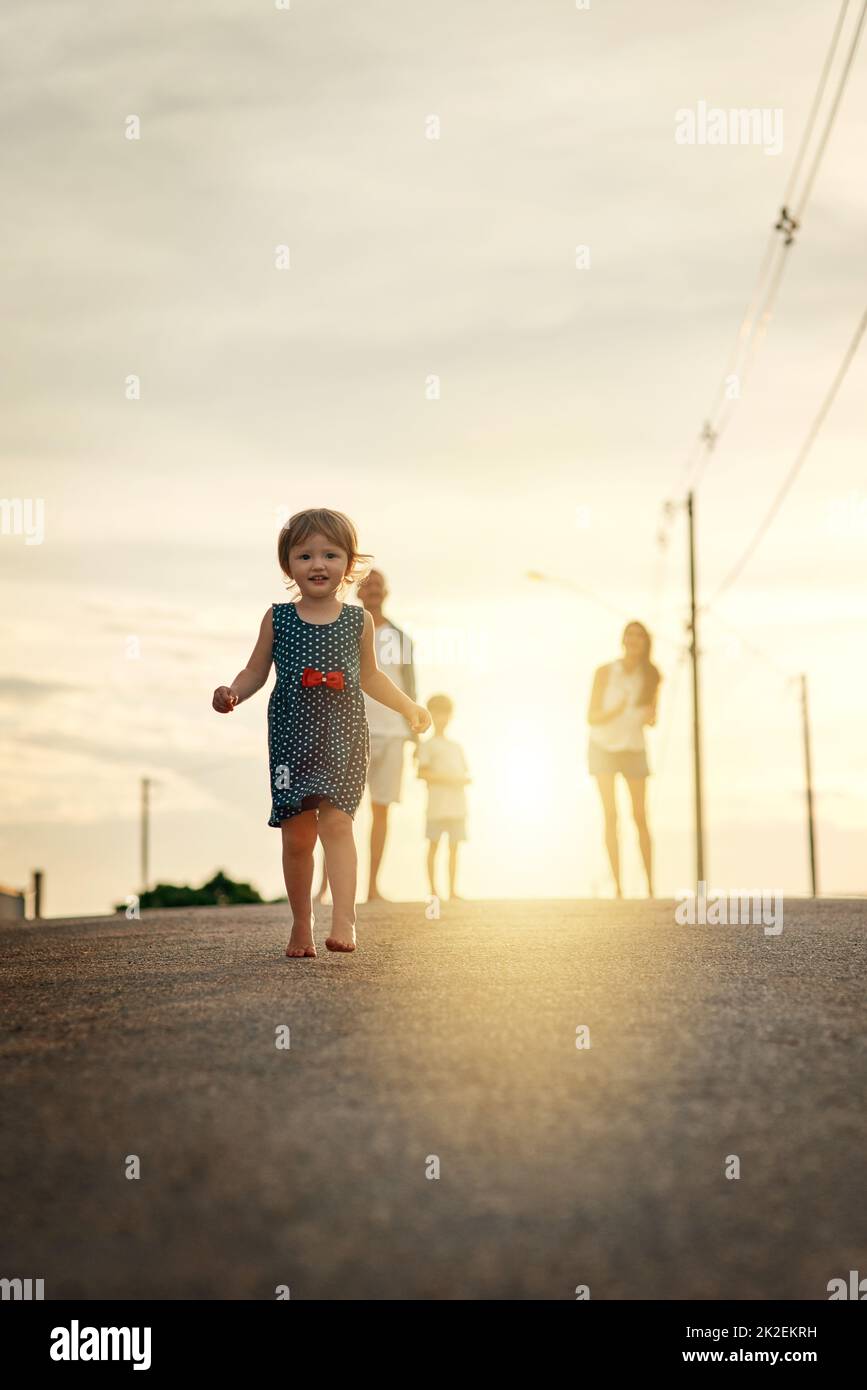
442	1046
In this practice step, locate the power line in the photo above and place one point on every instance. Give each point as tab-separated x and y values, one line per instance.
597	598
788	224
787	676
661	567
817	99
756	338
808	187
706	442
799	460
748	339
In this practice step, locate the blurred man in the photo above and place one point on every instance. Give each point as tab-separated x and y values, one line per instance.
389	731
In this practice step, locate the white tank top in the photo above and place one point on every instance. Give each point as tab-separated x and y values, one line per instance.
626	732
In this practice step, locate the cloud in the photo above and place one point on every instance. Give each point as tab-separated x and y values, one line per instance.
25	689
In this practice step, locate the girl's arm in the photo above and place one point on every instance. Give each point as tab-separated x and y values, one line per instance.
254	674
595	712
379	686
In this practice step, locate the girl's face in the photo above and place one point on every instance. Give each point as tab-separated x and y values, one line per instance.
318	565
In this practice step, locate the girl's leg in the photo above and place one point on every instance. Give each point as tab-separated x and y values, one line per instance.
636	790
338	841
431	865
453	868
323	886
605	782
299	838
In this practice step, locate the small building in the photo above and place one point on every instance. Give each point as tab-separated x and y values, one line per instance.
12	905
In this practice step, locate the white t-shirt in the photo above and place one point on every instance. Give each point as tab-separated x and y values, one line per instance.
382	721
626	732
445	800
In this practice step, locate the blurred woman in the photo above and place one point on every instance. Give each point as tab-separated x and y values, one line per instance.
622	701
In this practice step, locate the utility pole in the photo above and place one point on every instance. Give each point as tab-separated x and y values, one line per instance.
696	738
38	878
145	832
808	766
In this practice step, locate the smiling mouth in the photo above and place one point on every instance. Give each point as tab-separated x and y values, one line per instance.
318	579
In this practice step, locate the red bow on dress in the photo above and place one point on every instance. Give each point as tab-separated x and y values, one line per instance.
310	676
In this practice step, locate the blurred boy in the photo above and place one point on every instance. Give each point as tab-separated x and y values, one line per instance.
441	763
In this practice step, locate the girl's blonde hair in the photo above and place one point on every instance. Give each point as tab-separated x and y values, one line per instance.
336	527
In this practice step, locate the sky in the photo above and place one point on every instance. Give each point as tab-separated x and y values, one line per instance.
427	355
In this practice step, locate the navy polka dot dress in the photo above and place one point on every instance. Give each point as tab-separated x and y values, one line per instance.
318	739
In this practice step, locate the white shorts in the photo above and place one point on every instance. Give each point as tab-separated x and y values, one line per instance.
453	826
385	769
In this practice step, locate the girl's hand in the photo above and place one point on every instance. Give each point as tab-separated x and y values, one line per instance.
224	700
420	719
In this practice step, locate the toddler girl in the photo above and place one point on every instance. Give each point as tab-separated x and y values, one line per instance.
318	739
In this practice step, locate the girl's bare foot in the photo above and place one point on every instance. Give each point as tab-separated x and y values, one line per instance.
301	940
342	936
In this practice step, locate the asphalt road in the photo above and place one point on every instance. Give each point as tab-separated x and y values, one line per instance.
450	1040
